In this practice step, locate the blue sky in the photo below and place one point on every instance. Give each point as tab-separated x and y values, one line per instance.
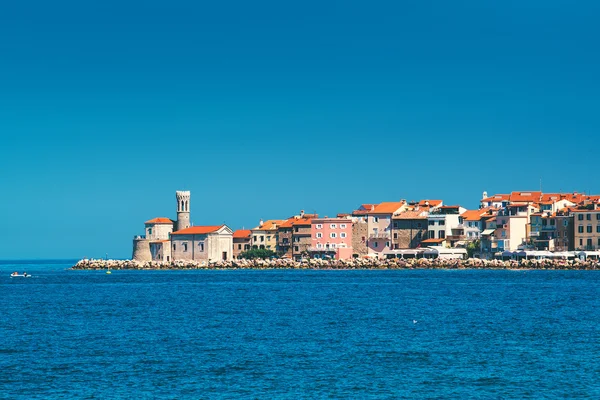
265	108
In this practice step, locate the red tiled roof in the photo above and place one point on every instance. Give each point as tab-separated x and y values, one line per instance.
159	220
432	203
473	215
269	225
388	207
242	234
412	214
432	240
525	196
198	230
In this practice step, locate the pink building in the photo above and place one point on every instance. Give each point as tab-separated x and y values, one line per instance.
331	238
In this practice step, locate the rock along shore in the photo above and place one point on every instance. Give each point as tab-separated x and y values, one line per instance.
471	263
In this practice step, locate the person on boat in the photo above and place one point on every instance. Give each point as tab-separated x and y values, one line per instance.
24	274
14	273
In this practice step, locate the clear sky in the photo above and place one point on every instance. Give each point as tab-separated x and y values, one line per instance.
265	108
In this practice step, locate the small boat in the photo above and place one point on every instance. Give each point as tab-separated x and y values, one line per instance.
17	275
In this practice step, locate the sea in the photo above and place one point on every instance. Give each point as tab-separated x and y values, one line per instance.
298	334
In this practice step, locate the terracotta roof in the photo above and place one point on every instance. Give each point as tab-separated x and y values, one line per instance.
389	207
159	220
242	234
497	197
432	240
473	215
432	203
198	230
269	225
302	221
411	214
287	224
364	209
525	196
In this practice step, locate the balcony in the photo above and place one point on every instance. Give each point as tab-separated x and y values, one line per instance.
380	235
456	237
323	249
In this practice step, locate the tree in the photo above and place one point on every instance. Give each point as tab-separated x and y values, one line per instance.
257	253
473	247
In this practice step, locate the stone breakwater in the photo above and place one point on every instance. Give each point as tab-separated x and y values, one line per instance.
471	263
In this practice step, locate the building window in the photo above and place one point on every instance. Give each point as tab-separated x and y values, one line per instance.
375	244
343	234
431	234
589	243
580	229
332	245
332	226
375	219
598	241
295	248
581	242
442	234
598	216
342	226
239	246
395	235
387	244
268	238
418	225
552	222
174	247
185	247
319	235
363	239
598	228
580	217
566	222
503	234
255	238
431	223
262	246
333	235
395	225
296	229
149	231
262	238
589	229
201	245
319	226
441	222
588	217
318	245
246	247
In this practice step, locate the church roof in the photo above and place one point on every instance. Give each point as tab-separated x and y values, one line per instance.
159	220
198	230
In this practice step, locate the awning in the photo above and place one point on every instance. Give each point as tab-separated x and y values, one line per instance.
488	232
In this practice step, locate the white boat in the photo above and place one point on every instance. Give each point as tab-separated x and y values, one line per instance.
17	275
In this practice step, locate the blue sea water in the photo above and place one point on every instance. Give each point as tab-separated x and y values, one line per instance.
298	334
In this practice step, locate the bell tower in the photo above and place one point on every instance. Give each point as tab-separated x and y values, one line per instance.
183	210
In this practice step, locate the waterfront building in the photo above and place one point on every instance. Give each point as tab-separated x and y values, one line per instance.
553	231
264	236
302	235
512	229
379	226
202	243
409	226
285	237
242	241
444	226
586	220
331	238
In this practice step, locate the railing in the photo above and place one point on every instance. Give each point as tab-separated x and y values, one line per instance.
139	237
380	235
324	249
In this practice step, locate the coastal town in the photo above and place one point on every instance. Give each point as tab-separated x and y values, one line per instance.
513	226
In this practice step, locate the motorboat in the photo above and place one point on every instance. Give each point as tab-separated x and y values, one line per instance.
17	275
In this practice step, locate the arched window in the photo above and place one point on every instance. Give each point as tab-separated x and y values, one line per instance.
187	207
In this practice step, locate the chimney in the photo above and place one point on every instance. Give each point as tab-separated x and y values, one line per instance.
301	213
426	203
260	223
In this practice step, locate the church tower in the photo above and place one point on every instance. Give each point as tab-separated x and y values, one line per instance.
183	210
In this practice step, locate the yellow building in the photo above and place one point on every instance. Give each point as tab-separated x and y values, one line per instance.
264	236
